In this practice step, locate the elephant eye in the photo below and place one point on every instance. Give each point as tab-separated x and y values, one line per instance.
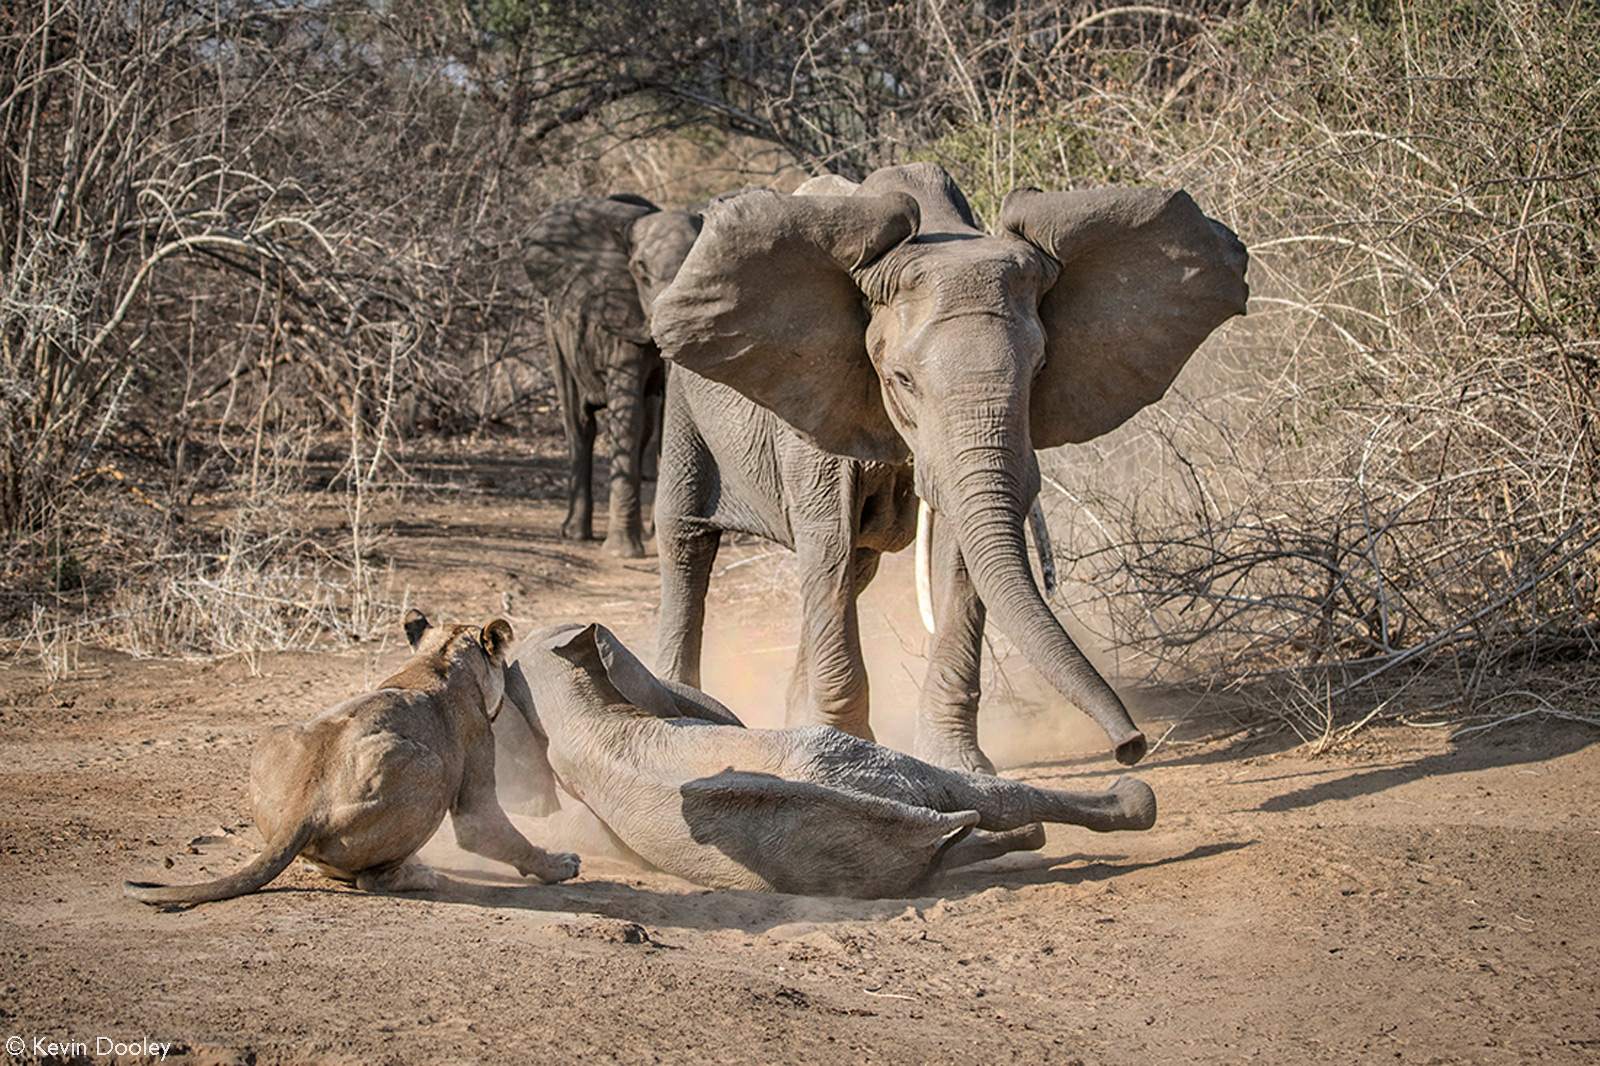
903	379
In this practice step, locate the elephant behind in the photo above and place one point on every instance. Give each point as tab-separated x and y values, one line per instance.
597	263
841	353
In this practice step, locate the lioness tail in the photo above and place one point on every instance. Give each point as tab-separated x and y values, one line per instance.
252	876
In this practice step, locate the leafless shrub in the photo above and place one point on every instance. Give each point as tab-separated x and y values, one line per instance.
229	229
198	257
1389	467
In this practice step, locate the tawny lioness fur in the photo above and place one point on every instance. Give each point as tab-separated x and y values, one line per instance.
358	790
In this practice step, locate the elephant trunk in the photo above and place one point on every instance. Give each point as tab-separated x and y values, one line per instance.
989	529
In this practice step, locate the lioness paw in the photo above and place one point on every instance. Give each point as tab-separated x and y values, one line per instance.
557	866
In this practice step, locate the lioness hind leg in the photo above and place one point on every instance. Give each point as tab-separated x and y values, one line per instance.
408	876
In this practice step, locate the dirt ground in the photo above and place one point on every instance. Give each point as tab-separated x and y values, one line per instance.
1407	897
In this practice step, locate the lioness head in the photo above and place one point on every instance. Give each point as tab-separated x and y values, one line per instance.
443	652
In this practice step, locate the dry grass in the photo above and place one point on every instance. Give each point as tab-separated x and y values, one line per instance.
255	579
1375	495
1385	479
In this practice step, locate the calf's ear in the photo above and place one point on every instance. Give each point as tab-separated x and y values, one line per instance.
765	304
692	703
1145	277
597	651
633	678
523	773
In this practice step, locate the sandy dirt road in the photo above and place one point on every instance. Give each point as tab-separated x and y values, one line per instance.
1405	898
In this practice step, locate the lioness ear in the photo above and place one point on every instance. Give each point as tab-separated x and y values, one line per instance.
497	637
416	624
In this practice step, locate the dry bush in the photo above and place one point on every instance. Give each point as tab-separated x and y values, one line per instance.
226	224
1387	473
227	232
244	572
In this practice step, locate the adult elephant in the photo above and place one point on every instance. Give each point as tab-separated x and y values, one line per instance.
838	357
598	262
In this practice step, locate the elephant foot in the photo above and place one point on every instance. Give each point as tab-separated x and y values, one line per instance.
571	530
952	752
1130	805
983	844
627	546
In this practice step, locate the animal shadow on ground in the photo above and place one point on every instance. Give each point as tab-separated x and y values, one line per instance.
1018	871
1477	752
1483	747
755	912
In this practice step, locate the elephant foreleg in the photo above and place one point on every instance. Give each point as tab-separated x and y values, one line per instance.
866	568
1002	804
578	424
686	543
947	710
981	845
650	448
1004	807
1128	804
829	686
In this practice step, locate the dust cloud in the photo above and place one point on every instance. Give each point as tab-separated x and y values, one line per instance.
752	628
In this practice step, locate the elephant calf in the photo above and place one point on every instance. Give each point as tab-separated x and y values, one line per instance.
678	781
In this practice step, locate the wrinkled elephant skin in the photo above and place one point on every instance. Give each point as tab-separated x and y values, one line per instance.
597	263
674	778
852	348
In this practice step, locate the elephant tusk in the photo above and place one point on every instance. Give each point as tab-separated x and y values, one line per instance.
925	564
1041	544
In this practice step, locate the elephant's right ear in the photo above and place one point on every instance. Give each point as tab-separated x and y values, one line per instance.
765	304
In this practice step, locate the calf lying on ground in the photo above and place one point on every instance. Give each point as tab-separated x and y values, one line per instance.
356	791
676	780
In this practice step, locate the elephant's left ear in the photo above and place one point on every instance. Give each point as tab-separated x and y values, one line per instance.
1145	277
596	650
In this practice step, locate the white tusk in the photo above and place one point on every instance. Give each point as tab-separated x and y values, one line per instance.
925	564
1041	544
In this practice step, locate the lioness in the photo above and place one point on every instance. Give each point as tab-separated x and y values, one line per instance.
356	791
